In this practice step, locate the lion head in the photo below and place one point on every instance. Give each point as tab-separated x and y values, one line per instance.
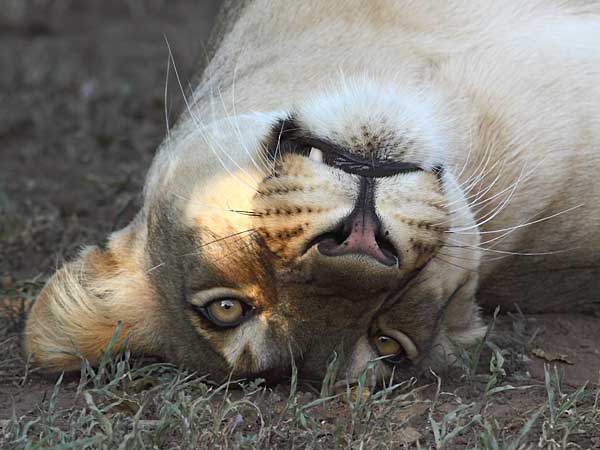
268	240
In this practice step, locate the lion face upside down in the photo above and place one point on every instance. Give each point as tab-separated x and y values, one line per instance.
402	160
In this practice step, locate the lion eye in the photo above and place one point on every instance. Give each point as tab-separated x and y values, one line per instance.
387	346
223	307
227	312
395	345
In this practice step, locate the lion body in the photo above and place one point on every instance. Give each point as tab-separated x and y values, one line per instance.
505	94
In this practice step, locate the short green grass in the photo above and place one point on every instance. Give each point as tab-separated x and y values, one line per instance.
130	403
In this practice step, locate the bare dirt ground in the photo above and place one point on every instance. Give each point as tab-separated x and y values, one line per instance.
82	110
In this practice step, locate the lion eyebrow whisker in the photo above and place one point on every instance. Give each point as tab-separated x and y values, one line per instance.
202	132
469	153
225	152
220	239
166	98
241	236
237	130
216	207
277	147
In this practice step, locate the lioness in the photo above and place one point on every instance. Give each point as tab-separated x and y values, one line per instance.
347	177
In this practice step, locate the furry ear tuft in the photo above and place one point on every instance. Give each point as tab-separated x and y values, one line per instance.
78	310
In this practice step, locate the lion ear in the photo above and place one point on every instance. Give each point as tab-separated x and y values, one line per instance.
77	312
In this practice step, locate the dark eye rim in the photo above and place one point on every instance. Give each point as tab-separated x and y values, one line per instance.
248	312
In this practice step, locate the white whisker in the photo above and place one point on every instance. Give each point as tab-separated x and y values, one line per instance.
166	98
155	267
506	252
199	126
522	225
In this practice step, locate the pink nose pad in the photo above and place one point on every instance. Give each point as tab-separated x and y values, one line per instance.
360	235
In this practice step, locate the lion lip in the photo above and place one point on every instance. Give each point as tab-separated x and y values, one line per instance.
329	247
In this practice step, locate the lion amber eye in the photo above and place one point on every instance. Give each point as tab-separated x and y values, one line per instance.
387	346
395	344
227	311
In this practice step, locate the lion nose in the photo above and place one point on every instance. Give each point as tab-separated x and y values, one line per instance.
360	233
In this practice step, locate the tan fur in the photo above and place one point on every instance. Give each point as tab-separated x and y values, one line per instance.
503	95
77	313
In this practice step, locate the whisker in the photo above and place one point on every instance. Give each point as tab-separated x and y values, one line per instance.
498	209
506	252
480	167
477	195
237	250
277	148
197	123
221	239
261	170
466	163
516	227
166	98
464	258
235	127
436	257
155	267
219	208
482	260
246	213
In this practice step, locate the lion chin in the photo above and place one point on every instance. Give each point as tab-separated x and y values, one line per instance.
370	179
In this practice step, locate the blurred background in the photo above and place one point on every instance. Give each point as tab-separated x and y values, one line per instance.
82	110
